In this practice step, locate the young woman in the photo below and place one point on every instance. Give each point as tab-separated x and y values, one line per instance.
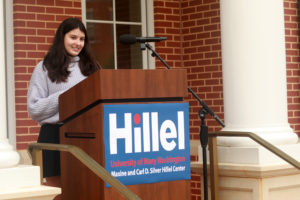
67	63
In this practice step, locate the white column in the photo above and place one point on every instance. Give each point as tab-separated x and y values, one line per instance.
8	156
254	71
16	181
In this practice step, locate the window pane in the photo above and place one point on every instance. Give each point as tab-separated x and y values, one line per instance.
128	10
99	9
101	42
129	56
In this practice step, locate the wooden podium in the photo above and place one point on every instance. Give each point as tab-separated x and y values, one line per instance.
81	108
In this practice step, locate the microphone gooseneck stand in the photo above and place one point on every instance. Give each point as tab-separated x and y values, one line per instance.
202	114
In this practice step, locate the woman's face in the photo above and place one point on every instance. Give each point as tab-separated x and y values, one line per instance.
74	41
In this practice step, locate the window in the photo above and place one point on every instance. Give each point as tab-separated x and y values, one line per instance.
107	20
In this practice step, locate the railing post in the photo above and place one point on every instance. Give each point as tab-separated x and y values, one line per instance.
35	150
214	175
37	159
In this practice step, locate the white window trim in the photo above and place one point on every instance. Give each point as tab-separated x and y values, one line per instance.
146	7
150	30
10	74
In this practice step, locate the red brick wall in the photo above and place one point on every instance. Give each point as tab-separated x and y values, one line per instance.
35	22
292	59
193	31
202	59
167	24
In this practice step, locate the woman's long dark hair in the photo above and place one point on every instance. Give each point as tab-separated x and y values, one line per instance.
57	59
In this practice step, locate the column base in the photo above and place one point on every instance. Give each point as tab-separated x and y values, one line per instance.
23	183
256	155
276	135
20	176
256	182
8	156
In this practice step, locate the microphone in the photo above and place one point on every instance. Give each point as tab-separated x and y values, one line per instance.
131	39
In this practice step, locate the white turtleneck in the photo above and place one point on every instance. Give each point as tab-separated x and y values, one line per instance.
42	96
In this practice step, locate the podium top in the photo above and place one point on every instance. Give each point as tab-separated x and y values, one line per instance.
123	84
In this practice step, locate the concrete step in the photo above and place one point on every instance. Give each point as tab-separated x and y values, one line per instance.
30	193
22	182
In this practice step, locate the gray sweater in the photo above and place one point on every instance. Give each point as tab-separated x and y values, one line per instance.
42	96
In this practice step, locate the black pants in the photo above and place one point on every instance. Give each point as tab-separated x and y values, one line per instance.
49	133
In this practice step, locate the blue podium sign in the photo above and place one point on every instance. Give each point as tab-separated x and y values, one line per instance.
147	143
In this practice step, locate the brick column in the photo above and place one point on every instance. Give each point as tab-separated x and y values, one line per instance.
8	157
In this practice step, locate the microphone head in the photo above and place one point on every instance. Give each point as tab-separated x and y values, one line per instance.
128	39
